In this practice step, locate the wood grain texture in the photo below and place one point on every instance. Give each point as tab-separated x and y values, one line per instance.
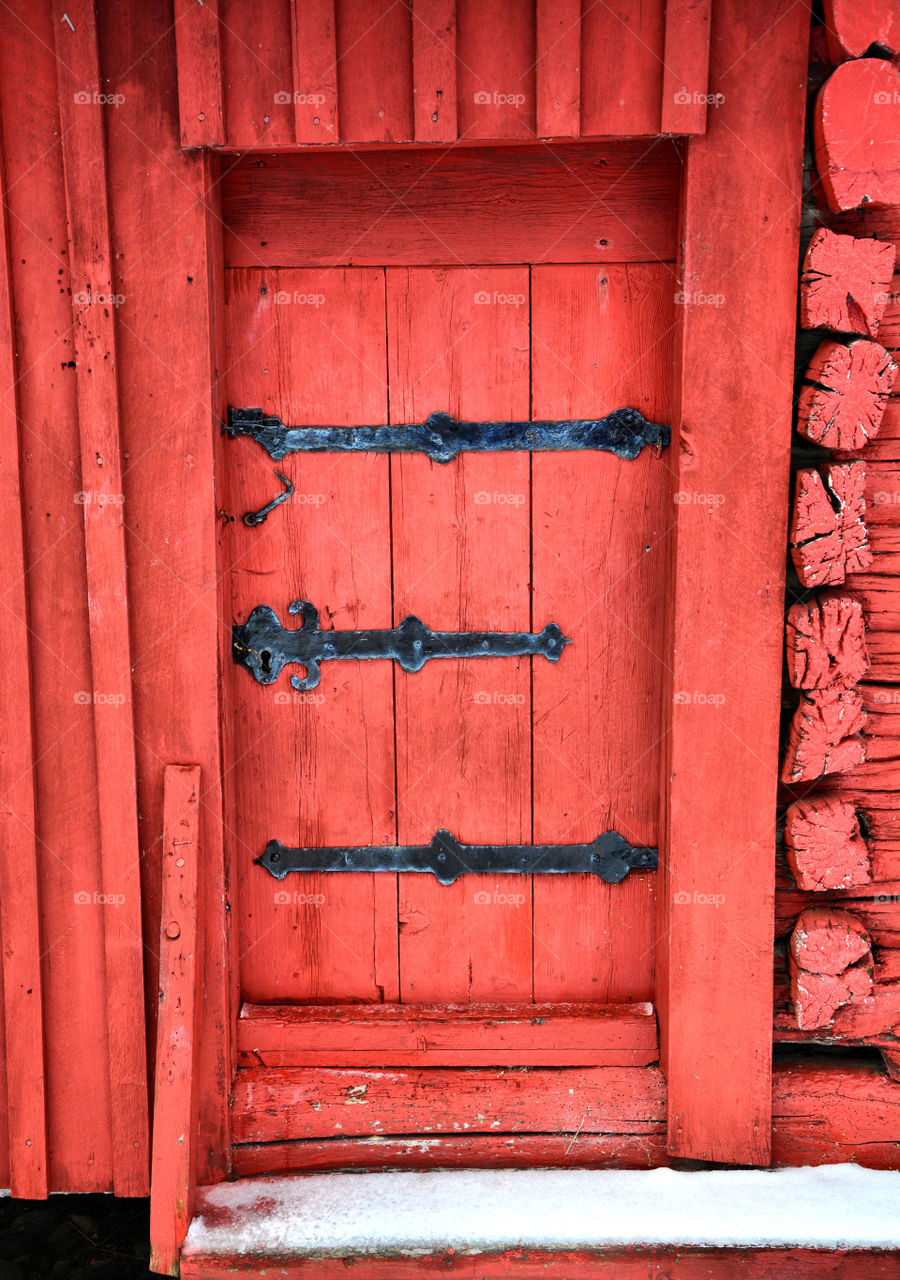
434	70
495	51
657	1264
845	283
174	1155
725	630
374	71
93	308
622	54
257	75
604	202
558	68
602	338
824	846
280	1104
845	392
25	1109
825	735
685	87
828	533
452	1150
171	399
199	73
314	63
448	1035
65	769
312	768
855	133
459	339
825	643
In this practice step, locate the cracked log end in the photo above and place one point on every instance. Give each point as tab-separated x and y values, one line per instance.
842	405
824	846
845	283
856	135
830	964
825	641
825	735
828	536
853	26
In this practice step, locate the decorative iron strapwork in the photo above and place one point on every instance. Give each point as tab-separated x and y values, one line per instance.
624	432
610	857
264	646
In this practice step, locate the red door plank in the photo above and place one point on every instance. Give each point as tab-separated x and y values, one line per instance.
602	339
278	1103
83	151
622	59
180	977
731	443
171	396
375	67
458	341
495	54
199	73
442	1035
598	203
314	58
434	69
685	88
257	77
65	772
20	908
311	768
558	68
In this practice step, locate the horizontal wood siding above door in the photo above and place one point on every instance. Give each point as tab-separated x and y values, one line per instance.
597	202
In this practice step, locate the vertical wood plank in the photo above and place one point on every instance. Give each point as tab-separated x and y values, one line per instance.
686	71
601	339
174	1109
732	435
314	58
558	69
83	149
311	768
495	44
622	67
69	876
20	922
458	341
257	75
170	397
434	69
199	73
375	71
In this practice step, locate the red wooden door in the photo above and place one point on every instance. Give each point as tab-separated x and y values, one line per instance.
502	750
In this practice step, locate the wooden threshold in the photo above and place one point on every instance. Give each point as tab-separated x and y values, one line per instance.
478	1035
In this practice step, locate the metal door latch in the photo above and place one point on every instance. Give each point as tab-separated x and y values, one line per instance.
610	857
264	646
624	432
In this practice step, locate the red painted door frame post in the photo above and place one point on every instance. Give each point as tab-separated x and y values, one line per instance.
730	455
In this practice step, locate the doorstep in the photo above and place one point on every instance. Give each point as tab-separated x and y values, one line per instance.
826	1221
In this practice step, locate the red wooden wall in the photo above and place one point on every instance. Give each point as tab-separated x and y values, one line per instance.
106	329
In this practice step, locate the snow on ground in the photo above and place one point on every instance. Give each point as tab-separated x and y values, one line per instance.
488	1210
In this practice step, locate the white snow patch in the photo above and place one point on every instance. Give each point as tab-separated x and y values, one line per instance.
488	1210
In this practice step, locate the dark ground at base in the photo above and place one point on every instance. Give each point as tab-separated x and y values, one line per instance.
91	1237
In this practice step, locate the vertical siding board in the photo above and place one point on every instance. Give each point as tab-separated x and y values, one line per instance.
732	436
174	1109
314	60
434	69
199	73
375	71
83	149
621	67
19	899
165	226
495	44
558	69
257	78
686	69
72	918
